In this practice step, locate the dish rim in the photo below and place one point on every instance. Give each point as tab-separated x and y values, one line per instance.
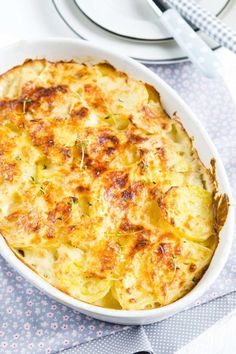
213	270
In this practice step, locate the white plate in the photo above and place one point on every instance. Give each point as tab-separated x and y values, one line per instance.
134	18
66	49
147	52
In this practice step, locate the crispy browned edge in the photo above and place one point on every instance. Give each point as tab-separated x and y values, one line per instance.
220	201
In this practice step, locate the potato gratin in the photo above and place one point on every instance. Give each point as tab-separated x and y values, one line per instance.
102	193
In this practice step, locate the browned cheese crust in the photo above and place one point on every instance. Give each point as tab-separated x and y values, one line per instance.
102	193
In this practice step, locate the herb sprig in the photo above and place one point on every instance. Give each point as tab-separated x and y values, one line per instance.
25	101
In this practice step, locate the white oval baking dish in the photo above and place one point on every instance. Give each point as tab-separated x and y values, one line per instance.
67	49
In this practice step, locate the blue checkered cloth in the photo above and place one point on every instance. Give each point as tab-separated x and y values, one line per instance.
206	22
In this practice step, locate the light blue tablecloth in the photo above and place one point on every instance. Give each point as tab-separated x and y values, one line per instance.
32	323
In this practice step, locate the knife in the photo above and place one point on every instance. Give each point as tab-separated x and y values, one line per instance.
197	50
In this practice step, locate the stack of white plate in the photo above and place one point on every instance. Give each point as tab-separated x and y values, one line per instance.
130	27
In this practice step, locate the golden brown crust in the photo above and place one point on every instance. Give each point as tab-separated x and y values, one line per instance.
92	172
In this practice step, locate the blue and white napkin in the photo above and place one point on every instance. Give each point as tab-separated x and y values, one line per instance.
208	23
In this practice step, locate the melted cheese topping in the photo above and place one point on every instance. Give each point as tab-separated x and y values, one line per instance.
102	193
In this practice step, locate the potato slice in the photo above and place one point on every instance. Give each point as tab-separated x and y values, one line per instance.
190	210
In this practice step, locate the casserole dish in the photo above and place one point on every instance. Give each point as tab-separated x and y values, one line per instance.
61	49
